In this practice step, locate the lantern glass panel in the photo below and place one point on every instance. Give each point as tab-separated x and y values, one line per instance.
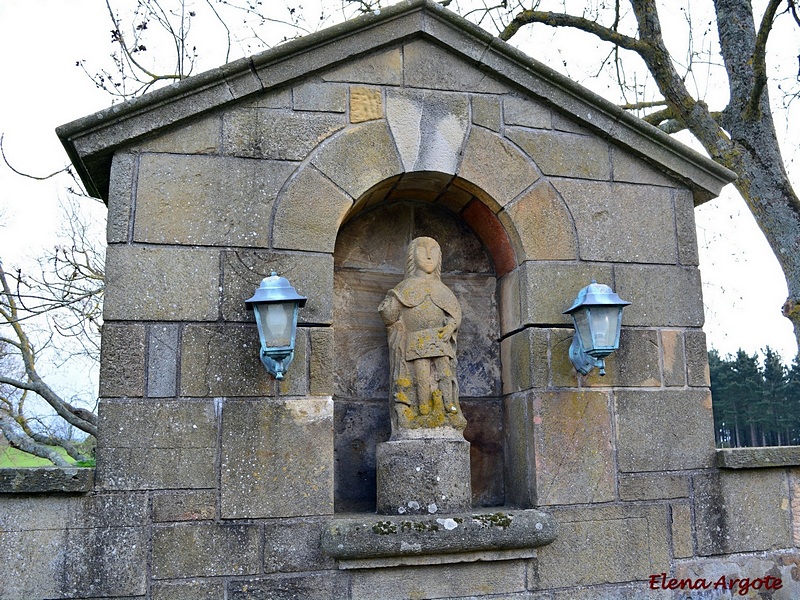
277	320
581	319
605	327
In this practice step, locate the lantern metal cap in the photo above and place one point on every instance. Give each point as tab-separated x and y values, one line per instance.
275	289
596	294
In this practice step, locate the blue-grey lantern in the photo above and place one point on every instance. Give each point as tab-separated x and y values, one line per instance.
597	315
275	304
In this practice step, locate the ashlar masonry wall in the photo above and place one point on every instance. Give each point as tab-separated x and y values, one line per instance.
215	481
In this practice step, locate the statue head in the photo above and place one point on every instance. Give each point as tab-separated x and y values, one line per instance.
424	256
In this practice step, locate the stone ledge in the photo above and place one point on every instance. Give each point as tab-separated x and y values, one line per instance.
758	458
46	480
371	541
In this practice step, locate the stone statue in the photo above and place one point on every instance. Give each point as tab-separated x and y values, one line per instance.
422	317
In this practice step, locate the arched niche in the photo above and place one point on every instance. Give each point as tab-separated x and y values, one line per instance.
369	260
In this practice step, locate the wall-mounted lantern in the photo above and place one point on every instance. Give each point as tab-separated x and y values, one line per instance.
597	315
275	304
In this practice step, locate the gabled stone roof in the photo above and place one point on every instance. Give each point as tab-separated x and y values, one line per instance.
91	141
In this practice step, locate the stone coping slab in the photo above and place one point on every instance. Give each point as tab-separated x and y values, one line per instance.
370	541
46	480
758	458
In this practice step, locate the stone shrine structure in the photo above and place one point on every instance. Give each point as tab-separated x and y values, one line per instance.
323	159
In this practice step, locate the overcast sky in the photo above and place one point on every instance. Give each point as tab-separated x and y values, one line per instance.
40	42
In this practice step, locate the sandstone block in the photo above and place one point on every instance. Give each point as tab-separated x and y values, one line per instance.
277	458
485	435
199	589
197	505
524	360
682	543
687	232
150	284
565	154
487	111
154	468
46	480
601	212
660	296
674	358
295	545
276	134
520	476
697	373
366	104
120	196
526	113
199	137
323	97
322	361
317	586
178	199
431	67
162	361
122	360
510	302
665	430
652	486
496	234
280	98
632	169
378	68
204	550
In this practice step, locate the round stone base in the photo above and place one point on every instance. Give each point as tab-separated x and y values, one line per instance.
423	476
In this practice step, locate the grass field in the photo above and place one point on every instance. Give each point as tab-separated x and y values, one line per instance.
13	458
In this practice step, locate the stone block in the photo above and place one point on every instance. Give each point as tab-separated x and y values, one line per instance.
120	196
604	545
520	453
441	581
21	549
697	373
524	360
493	166
652	486
674	358
199	137
178	200
316	586
162	361
150	283
544	225
204	550
794	483
758	458
742	511
526	113
379	68
665	430
632	169
295	545
322	97
601	212
682	542
432	67
277	458
276	134
660	296
377	240
321	362
280	98
122	360
638	591
429	128
309	213
485	435
366	104
547	289
38	480
495	233
360	157
510	302
487	111
154	468
198	505
310	274
199	589
687	231
565	154
573	449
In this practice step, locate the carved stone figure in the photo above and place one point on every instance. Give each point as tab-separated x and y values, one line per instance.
422	317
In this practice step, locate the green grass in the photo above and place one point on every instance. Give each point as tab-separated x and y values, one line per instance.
13	458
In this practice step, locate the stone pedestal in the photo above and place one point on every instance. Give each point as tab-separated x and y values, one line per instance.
423	476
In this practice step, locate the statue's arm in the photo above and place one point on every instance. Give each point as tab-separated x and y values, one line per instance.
389	309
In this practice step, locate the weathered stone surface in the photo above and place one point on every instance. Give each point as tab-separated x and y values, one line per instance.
432	67
495	234
446	581
199	505
674	358
46	480
309	213
162	361
574	455
687	232
754	458
317	586
655	486
605	230
120	196
525	112
697	373
487	111
524	360
294	545
321	362
19	550
154	468
520	478
601	545
637	591
149	284
429	128
378	68
359	157
377	240
667	430
682	542
199	589
660	296
310	274
277	458
204	550
495	167
276	134
794	483
178	199
544	224
510	302
280	98
742	511
122	359
366	104
485	435
565	154
316	96
198	137
632	169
